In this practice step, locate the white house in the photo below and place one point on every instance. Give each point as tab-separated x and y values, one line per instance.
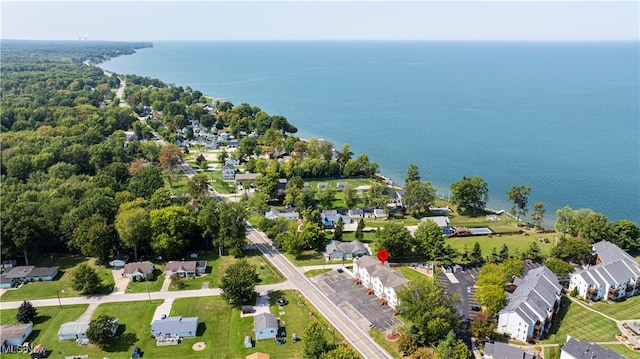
185	268
78	330
174	327
331	216
138	270
345	250
580	349
379	279
266	326
228	172
287	213
614	274
531	307
356	213
232	161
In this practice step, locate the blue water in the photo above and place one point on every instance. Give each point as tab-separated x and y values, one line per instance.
562	118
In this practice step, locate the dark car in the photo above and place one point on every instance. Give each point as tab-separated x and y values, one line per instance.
475	308
282	301
280	340
339	270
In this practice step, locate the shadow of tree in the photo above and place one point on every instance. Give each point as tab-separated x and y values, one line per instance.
41	319
123	342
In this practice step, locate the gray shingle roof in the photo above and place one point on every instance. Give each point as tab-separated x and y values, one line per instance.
581	349
503	351
141	267
265	320
616	266
175	325
609	252
536	294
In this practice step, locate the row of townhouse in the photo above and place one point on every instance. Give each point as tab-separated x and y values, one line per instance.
613	274
379	279
531	307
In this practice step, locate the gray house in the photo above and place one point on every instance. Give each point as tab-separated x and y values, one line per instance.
185	268
266	326
499	350
27	274
345	250
579	349
174	327
228	172
138	270
14	334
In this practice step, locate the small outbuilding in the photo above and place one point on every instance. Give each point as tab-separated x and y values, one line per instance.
73	330
119	260
248	342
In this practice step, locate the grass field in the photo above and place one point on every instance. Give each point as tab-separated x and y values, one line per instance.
153	285
629	309
410	273
315	272
389	346
622	349
61	285
520	243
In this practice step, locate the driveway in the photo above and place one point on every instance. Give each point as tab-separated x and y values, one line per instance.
121	282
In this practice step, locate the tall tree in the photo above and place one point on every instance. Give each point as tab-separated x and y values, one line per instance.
314	341
430	308
101	331
198	185
564	220
341	352
337	231
483	326
133	228
594	227
85	279
476	254
238	283
426	235
344	156
145	181
26	312
170	156
470	193
418	197
625	234
171	230
396	239
452	348
537	215
413	174
359	235
232	232
349	196
519	195
325	197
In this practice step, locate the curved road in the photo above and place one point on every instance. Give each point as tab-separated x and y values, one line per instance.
360	340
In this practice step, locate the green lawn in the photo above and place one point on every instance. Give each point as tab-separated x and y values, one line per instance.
153	285
514	242
315	272
580	323
61	285
629	309
410	273
622	349
216	266
307	258
389	346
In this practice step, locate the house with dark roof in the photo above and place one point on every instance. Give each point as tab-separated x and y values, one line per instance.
185	268
243	178
14	334
580	349
356	213
613	274
18	274
266	326
174	327
379	279
345	250
138	270
499	350
531	307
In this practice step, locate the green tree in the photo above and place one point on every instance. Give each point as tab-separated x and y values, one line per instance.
344	156
429	307
519	195
341	352
359	235
483	326
559	267
476	254
413	174
209	222
407	344
26	312
564	220
418	197
85	279
325	197
396	239
101	331
504	253
624	234
133	228
537	215
314	341
452	348
470	193
349	197
427	235
198	185
171	230
337	231
239	282
534	251
491	296
232	232
146	181
572	248
594	227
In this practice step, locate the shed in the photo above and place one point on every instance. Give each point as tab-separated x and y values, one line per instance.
15	334
248	343
119	260
136	353
73	330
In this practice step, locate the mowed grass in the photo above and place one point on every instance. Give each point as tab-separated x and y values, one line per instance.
315	272
217	265
581	323
153	285
46	326
629	309
410	273
622	349
61	285
518	242
390	346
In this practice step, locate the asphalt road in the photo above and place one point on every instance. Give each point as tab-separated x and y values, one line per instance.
360	340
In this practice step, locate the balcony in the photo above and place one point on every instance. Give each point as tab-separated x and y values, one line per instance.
612	294
591	293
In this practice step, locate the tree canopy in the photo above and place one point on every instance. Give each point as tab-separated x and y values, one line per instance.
470	193
238	283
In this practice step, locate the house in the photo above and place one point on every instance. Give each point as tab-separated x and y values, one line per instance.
266	326
322	185
499	350
119	260
138	270
396	197
78	330
341	185
257	355
223	136
243	178
580	349
442	222
355	213
377	213
362	189
531	307
18	274
345	250
232	161
330	217
14	334
228	172
282	185
8	263
232	145
287	213
174	327
185	268
613	274
379	279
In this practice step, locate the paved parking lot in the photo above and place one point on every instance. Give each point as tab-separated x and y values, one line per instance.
466	278
353	301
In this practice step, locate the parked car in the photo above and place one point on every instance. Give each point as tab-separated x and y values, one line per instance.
282	301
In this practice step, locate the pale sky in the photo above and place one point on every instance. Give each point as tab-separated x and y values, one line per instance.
320	20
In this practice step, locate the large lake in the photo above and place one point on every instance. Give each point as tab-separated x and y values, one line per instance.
562	118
